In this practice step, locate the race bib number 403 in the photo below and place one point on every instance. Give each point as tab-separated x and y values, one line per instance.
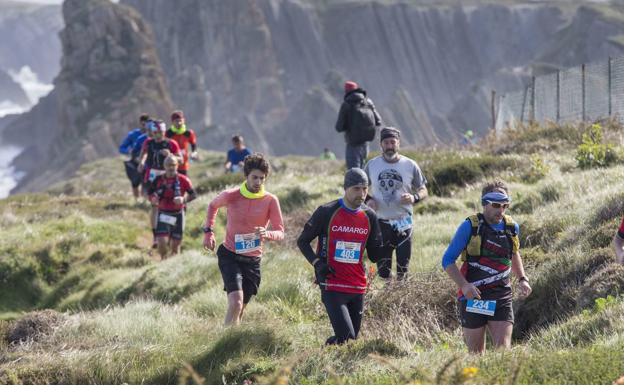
347	252
480	306
245	243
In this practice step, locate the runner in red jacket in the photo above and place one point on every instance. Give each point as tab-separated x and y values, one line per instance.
344	228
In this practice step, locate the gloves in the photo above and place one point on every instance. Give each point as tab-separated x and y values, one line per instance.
321	271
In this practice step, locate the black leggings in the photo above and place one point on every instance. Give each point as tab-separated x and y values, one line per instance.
403	245
345	314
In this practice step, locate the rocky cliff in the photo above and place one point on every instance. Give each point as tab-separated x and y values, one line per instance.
110	74
29	37
12	91
272	69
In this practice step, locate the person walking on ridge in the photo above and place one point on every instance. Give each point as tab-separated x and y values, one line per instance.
359	120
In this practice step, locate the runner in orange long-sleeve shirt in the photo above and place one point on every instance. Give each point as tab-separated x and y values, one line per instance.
250	209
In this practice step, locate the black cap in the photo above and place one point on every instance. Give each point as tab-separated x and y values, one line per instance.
390	132
354	177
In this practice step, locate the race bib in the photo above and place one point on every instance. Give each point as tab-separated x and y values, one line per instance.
168	219
480	306
245	243
153	174
402	224
347	252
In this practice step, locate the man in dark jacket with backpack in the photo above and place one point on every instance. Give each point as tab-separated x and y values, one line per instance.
358	119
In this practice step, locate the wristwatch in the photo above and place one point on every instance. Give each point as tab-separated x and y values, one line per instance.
207	229
523	278
416	198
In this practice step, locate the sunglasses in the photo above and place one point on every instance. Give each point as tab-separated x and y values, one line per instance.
499	205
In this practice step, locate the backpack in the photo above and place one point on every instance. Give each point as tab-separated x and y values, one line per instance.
362	127
474	245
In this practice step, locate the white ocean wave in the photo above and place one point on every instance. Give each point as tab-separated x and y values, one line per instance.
29	81
8	176
7	107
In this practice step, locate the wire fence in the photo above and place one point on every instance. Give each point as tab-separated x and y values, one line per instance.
584	93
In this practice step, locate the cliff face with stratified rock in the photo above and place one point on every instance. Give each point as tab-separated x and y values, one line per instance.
110	73
273	69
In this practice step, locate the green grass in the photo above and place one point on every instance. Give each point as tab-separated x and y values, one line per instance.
82	248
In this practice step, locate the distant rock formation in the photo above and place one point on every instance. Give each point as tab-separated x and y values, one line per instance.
110	74
428	65
29	36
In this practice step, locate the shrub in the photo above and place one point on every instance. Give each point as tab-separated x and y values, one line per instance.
556	289
412	311
219	182
592	152
295	198
537	171
445	176
33	326
603	283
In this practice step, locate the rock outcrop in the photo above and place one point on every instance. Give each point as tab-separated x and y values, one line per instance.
429	66
12	91
29	37
110	74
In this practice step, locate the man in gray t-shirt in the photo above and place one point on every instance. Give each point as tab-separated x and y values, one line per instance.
397	184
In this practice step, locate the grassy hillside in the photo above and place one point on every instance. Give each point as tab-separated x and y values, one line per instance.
116	314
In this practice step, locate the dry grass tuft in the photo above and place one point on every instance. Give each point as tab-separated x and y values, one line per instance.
417	310
33	326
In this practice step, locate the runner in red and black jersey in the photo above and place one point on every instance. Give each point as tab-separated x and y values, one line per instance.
344	228
152	160
169	193
186	139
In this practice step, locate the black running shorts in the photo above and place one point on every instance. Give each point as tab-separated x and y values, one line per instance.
164	228
503	312
239	272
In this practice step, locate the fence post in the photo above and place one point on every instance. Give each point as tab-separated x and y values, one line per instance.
532	113
583	91
558	95
493	110
609	83
526	91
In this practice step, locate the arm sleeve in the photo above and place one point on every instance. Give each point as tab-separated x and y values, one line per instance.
458	244
418	179
189	190
341	123
277	222
213	208
193	140
377	116
375	239
138	145
311	230
126	145
174	147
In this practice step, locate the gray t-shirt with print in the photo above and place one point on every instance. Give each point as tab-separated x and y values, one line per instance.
389	181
